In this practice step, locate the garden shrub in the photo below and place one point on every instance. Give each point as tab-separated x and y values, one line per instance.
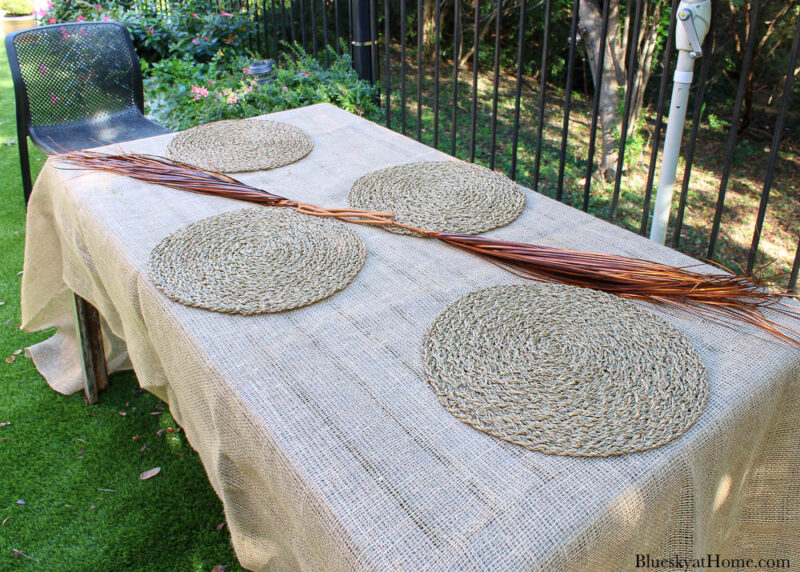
194	36
193	66
16	7
198	36
71	10
181	93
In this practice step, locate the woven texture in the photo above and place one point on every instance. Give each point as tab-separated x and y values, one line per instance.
318	429
239	145
255	261
564	370
448	196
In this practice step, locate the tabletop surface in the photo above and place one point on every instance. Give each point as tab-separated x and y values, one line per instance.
318	429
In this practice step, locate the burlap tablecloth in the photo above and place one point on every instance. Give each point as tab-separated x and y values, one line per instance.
317	427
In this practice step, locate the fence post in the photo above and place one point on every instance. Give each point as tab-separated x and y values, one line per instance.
362	40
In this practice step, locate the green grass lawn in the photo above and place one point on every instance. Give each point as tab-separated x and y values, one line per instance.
70	493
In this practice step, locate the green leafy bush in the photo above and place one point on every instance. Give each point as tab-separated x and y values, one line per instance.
181	93
16	7
194	36
71	10
197	36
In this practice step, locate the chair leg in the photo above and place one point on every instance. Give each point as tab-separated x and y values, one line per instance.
24	165
93	358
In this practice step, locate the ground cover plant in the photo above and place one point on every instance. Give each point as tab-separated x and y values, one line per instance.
71	497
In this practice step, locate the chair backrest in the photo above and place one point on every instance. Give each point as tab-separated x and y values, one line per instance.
72	73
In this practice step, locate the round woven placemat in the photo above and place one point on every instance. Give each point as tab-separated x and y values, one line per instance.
564	370
238	145
254	261
448	196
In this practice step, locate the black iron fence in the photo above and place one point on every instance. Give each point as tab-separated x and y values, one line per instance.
510	84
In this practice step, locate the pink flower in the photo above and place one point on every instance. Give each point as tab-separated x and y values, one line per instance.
232	98
195	15
225	14
304	74
195	41
43	69
80	19
199	91
106	19
53	98
150	30
51	20
205	38
284	88
98	7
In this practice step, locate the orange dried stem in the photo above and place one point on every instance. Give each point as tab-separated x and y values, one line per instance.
724	297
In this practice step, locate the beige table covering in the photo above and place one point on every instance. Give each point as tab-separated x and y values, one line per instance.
319	432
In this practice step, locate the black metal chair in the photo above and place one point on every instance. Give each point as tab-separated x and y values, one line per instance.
77	86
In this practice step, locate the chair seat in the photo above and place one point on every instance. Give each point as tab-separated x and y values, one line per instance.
109	128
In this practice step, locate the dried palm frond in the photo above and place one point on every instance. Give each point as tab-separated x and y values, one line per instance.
723	296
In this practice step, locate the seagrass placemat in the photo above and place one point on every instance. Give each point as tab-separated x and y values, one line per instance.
255	261
238	145
448	196
564	370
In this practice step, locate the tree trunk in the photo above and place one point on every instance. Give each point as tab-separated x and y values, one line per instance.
591	20
747	111
765	38
484	30
616	40
646	49
428	27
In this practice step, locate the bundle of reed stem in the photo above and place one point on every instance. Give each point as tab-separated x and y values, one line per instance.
722	296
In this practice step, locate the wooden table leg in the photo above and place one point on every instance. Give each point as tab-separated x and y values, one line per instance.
93	358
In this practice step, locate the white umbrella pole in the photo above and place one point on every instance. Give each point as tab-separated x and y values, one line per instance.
693	21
